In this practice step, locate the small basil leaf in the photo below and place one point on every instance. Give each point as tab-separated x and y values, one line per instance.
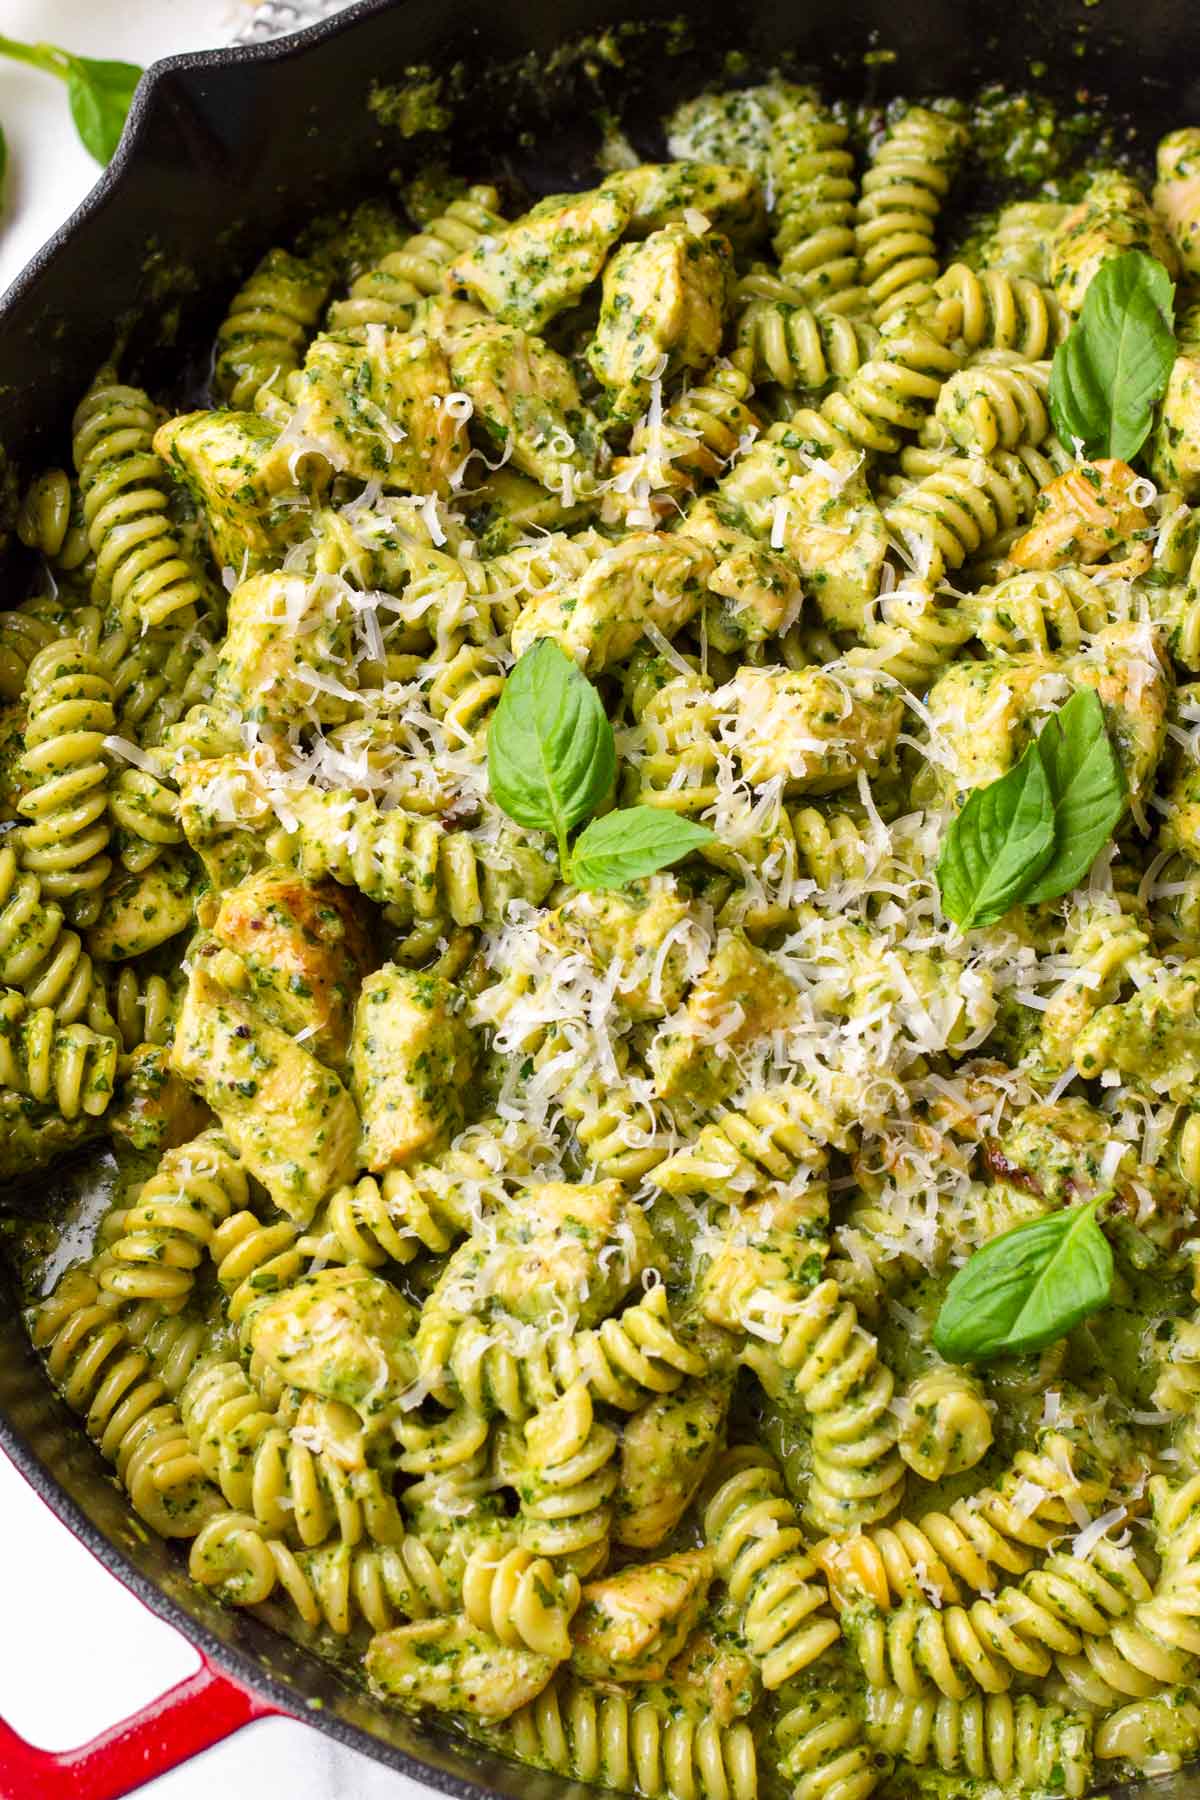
551	757
1026	1287
1112	370
1087	789
99	94
623	846
1001	840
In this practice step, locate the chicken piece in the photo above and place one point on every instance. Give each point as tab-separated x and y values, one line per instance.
225	814
1129	667
834	532
1152	1040
1174	454
1180	828
984	714
304	951
730	199
742	996
1084	516
756	590
376	411
410	1062
667	1449
288	638
529	272
450	1665
1113	216
721	1680
665	297
772	1252
630	928
1060	1152
564	1248
155	1109
1177	193
527	405
630	1625
289	1118
647	577
1055	1151
342	1333
253	490
814	727
1019	240
140	912
734	125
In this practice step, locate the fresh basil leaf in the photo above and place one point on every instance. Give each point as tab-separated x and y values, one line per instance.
625	845
1087	790
99	94
551	757
1113	367
1001	841
1026	1287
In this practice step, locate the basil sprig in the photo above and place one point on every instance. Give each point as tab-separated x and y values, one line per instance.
1027	1287
552	760
1035	832
1110	373
98	93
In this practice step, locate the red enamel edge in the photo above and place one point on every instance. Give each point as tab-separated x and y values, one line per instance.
188	1718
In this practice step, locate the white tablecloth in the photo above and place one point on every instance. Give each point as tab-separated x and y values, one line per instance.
77	1652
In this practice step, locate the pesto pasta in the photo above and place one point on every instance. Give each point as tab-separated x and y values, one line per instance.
608	839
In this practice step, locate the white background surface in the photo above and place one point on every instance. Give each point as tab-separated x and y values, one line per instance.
76	1651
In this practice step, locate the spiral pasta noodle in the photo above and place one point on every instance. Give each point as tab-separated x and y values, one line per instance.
126	1409
69	1067
995	406
49	520
140	567
143	1009
761	1556
797	347
38	955
959	509
254	1259
169	1229
814	189
975	1545
902	194
520	1598
335	1584
390	293
989	1737
991	311
262	337
621	1362
632	1745
65	778
565	1473
831	1365
896	387
264	1466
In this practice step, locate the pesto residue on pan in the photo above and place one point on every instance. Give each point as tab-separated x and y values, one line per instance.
585	838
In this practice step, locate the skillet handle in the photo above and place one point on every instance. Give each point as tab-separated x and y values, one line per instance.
200	1711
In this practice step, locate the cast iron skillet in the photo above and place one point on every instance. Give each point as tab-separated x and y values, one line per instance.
224	154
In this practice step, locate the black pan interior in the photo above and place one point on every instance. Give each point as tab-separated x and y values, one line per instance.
226	155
